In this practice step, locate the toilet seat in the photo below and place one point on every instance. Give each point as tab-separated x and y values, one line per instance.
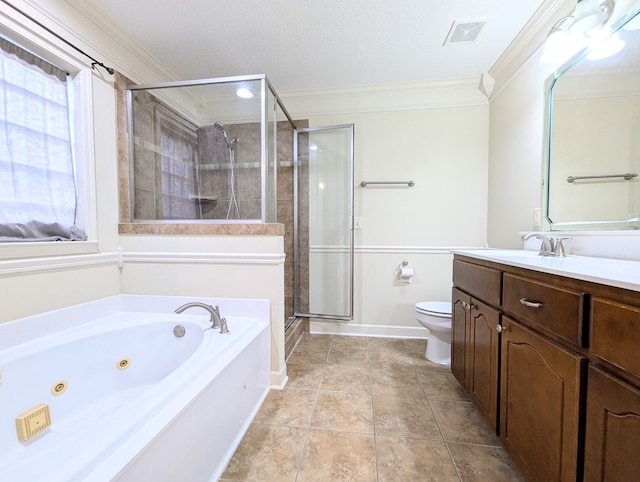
440	309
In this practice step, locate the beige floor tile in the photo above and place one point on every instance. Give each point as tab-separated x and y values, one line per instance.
341	391
421	364
350	342
419	360
305	375
314	340
267	452
391	368
404	417
309	355
389	344
382	357
348	356
442	386
288	407
406	459
415	346
338	456
351	412
398	382
346	378
461	422
479	463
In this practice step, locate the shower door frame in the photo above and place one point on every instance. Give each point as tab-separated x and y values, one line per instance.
296	234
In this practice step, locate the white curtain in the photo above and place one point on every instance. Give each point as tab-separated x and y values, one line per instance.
37	181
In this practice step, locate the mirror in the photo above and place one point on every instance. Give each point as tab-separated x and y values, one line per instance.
592	180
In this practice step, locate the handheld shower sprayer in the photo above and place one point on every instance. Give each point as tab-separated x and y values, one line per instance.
220	127
233	203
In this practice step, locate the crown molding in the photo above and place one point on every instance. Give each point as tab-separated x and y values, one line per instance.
100	37
528	40
384	97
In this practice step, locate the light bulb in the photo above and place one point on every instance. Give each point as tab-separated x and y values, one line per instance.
606	48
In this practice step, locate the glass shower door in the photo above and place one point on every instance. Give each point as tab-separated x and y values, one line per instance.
323	222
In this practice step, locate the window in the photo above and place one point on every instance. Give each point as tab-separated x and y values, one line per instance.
38	196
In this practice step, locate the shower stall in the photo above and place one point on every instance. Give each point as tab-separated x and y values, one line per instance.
200	152
226	150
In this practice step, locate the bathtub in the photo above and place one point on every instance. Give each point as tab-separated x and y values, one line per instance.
128	399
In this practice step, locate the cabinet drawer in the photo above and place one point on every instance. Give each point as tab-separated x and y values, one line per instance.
558	310
483	283
615	333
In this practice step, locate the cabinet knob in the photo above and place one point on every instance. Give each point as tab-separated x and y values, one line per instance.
530	304
499	328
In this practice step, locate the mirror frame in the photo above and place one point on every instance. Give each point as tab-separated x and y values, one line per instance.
550	82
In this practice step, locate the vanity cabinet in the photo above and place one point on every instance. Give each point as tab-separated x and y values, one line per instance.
475	336
612	431
553	364
539	403
484	346
460	303
612	436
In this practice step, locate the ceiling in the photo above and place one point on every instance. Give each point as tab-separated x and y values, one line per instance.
308	45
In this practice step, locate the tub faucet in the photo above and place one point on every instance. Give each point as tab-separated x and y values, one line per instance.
549	246
215	312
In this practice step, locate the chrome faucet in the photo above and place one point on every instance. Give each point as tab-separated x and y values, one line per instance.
215	312
550	246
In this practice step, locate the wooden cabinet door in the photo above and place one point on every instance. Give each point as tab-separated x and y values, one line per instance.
484	349
612	437
460	336
539	404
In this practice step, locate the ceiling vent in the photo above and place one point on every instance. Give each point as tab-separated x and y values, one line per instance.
464	32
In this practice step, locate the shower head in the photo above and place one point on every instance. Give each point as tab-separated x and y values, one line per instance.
220	127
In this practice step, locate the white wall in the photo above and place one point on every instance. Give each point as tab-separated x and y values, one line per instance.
515	155
444	151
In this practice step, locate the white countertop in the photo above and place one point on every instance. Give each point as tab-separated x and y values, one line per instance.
611	272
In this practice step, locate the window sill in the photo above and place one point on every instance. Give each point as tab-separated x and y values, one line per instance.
46	249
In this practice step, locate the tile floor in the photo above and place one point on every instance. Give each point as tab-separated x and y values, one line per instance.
368	409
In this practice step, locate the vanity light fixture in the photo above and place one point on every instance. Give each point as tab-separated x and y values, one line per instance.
608	47
578	30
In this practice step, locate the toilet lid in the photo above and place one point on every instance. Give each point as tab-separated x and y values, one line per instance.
436	307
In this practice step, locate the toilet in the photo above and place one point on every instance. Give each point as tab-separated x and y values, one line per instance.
436	317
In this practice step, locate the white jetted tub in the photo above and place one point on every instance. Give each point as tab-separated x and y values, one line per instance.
128	398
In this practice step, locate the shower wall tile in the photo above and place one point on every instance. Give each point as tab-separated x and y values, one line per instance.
145	204
124	199
285	183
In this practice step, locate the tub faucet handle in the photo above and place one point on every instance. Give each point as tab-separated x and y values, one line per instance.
224	329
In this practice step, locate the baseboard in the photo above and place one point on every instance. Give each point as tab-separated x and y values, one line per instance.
279	379
391	331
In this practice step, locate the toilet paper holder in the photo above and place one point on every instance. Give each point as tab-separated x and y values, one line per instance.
405	274
403	264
